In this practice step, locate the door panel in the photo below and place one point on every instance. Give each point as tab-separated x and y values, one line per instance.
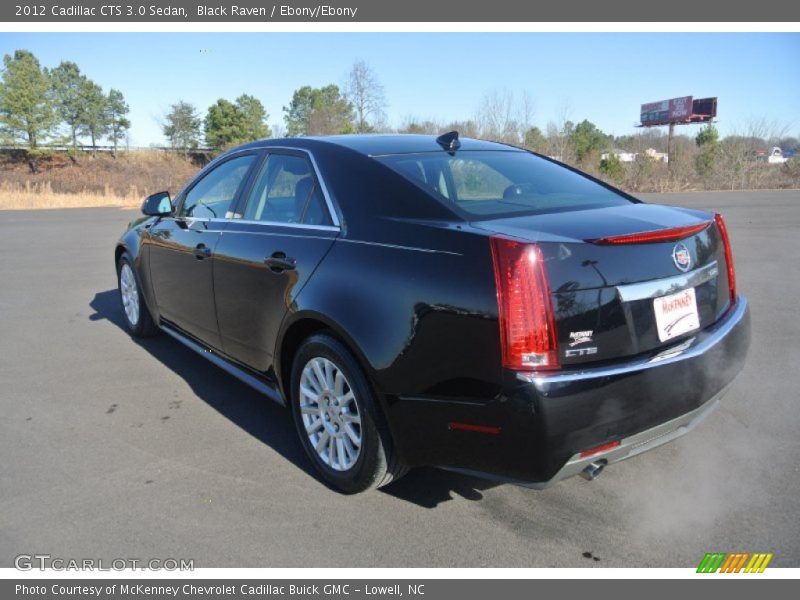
181	257
182	247
264	259
252	296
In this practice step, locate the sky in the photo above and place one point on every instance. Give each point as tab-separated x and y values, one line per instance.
603	77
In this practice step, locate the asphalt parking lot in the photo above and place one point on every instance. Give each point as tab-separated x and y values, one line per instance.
113	448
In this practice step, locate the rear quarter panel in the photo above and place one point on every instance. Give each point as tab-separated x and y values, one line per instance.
422	318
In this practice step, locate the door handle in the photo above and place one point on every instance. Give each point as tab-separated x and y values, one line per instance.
279	262
201	251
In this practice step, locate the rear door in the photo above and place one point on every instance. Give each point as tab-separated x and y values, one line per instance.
281	230
182	248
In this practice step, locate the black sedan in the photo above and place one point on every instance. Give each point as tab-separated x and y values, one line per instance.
433	301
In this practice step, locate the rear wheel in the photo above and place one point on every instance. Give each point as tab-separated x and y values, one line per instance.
338	419
137	318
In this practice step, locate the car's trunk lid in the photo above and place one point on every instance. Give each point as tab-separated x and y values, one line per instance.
605	295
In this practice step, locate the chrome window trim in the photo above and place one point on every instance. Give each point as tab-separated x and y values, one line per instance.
325	193
275	224
662	287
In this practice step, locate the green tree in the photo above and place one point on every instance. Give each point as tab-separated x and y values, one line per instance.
612	167
255	118
182	126
117	113
68	84
94	120
26	104
229	123
535	140
224	124
586	139
318	111
707	141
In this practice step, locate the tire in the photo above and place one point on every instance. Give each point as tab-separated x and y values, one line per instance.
135	313
340	416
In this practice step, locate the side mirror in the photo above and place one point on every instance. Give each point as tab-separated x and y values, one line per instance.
157	205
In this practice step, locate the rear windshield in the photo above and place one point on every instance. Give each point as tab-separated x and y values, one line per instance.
501	183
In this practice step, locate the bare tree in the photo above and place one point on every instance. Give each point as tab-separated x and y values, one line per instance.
525	112
278	130
365	92
495	116
559	132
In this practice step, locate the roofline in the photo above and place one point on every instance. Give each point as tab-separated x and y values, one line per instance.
331	140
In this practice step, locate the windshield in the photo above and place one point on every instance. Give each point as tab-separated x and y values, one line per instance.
502	183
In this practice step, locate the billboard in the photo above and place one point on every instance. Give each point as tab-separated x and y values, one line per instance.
704	109
678	110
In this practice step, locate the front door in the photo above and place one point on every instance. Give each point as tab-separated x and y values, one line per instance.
182	248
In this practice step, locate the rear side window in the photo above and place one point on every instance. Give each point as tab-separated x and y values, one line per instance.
286	191
491	184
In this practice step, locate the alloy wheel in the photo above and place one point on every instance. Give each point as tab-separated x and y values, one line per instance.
129	293
330	414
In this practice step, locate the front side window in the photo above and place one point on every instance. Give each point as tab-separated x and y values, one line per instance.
286	191
491	184
211	197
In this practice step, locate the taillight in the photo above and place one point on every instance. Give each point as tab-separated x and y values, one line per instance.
527	322
726	242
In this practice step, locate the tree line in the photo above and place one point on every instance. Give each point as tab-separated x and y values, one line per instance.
37	103
358	107
62	104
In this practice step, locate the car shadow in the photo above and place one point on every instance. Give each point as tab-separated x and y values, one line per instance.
269	422
259	416
428	487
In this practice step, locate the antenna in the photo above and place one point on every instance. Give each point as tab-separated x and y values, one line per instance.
449	141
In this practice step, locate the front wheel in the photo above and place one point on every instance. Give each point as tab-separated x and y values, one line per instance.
338	420
137	318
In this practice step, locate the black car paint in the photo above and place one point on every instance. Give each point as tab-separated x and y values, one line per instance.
408	284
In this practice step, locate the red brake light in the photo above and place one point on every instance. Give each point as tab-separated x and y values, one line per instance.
527	322
672	234
726	242
601	448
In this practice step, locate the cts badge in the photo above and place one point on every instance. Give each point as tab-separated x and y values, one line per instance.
681	257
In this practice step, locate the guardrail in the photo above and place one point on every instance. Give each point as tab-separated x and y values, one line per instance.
85	148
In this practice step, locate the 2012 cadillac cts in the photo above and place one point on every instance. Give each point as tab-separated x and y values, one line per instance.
433	301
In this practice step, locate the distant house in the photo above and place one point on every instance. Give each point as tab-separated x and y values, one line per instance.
776	156
655	155
622	155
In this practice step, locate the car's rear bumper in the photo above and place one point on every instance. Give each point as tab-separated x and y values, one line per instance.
543	422
590	466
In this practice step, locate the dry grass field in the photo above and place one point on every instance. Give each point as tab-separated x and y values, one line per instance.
14	196
91	181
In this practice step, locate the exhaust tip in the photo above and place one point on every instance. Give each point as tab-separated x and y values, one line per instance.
592	470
